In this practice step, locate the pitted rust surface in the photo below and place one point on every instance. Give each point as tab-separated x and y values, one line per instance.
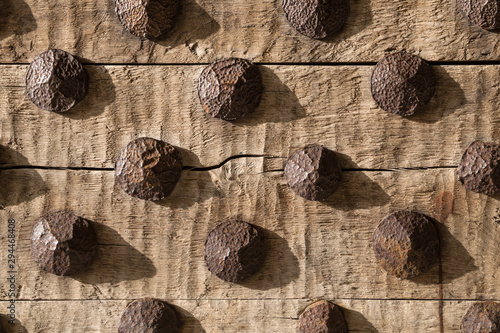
479	170
63	244
56	81
406	244
316	19
482	317
484	13
234	250
148	169
230	88
148	315
403	84
147	18
323	317
314	172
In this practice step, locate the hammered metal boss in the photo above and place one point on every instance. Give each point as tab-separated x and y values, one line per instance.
479	169
313	172
406	244
316	19
230	88
482	317
148	315
484	13
403	84
63	243
147	18
56	81
234	250
148	169
322	316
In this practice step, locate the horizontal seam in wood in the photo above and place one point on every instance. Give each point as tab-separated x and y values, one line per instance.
309	64
258	299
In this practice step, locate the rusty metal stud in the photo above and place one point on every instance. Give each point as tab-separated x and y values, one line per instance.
403	84
234	250
230	88
482	317
148	315
484	13
314	172
406	244
148	169
479	169
322	316
316	19
147	18
56	81
63	243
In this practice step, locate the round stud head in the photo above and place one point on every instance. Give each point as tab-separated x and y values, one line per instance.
148	169
234	250
484	13
316	19
63	243
406	244
314	172
56	81
479	169
403	84
230	89
148	315
482	317
322	316
147	18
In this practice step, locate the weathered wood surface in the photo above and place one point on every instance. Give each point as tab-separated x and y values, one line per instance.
316	250
301	104
215	316
208	29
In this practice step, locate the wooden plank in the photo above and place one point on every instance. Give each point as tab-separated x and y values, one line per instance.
316	250
227	315
209	29
302	104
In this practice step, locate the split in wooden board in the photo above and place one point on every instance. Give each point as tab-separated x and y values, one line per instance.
257	30
332	106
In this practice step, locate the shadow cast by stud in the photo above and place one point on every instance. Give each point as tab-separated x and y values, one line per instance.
101	93
457	262
356	322
280	266
186	193
357	190
16	327
193	24
448	97
17	18
187	322
278	104
116	260
20	182
360	18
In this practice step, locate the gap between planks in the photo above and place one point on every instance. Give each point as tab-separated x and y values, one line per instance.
221	164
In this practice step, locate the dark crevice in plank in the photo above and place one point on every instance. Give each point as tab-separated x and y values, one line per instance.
254	299
217	166
440	295
311	64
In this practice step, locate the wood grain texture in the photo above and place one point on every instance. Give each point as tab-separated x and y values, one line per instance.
208	29
301	104
214	316
316	250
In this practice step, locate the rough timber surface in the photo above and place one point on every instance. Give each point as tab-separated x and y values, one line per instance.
301	105
208	29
